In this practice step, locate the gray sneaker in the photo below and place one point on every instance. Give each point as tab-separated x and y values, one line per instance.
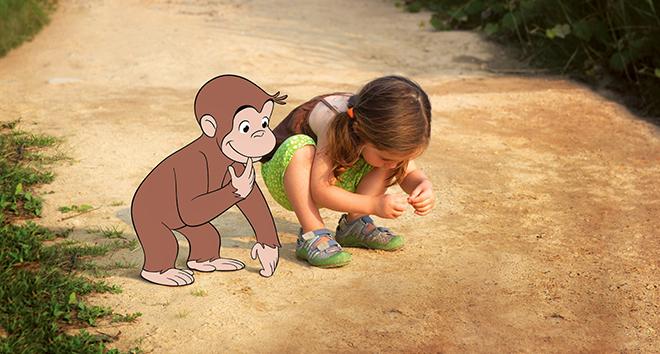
352	235
325	254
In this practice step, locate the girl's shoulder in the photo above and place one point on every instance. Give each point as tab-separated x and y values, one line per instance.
327	108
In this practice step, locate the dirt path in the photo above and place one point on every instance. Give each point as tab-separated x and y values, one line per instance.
544	238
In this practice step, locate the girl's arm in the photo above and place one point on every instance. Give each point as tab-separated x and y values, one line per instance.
412	178
420	189
327	195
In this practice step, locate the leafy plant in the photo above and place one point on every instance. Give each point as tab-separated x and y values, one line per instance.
614	42
86	313
126	318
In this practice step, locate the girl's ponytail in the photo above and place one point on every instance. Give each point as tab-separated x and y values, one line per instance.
344	145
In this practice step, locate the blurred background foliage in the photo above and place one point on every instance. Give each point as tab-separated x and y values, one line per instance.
611	43
20	20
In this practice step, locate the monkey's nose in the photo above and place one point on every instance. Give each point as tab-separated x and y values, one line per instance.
258	134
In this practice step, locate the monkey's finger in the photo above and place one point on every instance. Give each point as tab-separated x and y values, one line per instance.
248	175
249	168
252	172
232	173
267	272
268	268
255	248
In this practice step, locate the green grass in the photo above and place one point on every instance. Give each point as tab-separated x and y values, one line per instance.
21	166
20	20
42	288
182	314
126	318
78	209
199	292
108	232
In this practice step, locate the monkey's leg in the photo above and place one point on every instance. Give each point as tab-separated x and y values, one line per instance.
205	250
160	251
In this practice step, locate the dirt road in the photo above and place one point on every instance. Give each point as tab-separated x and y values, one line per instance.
544	238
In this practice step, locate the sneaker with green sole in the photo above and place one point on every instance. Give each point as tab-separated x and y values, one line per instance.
322	254
352	234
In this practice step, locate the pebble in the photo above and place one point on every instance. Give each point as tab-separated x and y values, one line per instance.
61	80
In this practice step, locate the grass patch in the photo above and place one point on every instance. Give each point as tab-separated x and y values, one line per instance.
182	314
21	20
41	288
21	166
40	294
199	292
108	232
78	209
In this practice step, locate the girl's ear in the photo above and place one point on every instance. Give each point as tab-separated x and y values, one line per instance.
209	126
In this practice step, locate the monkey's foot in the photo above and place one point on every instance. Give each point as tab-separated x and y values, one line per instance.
221	264
171	277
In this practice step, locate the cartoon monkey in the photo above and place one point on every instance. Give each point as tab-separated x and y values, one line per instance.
202	180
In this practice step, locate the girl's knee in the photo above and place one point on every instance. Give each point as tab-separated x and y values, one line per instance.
304	154
300	165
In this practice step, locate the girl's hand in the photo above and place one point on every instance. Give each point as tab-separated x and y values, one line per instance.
390	206
422	198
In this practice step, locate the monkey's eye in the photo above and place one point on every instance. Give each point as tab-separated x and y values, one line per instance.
244	127
264	122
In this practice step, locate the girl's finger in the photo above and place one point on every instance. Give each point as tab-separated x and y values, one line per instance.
415	193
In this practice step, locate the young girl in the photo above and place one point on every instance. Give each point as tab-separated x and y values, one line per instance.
343	154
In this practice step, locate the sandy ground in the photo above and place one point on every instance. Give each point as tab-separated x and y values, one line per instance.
544	237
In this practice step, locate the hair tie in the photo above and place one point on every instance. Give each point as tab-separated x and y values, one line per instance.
350	112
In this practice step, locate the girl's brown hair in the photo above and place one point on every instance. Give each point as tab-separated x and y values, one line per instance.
393	113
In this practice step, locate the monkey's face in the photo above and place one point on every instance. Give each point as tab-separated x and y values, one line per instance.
250	135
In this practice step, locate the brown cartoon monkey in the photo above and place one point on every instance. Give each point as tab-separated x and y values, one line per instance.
202	180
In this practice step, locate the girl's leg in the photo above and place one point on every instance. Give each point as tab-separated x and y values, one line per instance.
358	230
315	243
374	183
297	187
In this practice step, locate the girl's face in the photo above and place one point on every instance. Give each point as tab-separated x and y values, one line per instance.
378	158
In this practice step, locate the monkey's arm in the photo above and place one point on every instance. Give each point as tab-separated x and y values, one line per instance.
196	204
256	210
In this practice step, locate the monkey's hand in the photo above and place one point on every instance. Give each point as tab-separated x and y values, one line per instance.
268	256
243	184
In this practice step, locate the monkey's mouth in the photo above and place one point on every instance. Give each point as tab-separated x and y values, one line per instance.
254	158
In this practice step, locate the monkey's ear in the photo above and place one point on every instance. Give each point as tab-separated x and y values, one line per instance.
209	126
